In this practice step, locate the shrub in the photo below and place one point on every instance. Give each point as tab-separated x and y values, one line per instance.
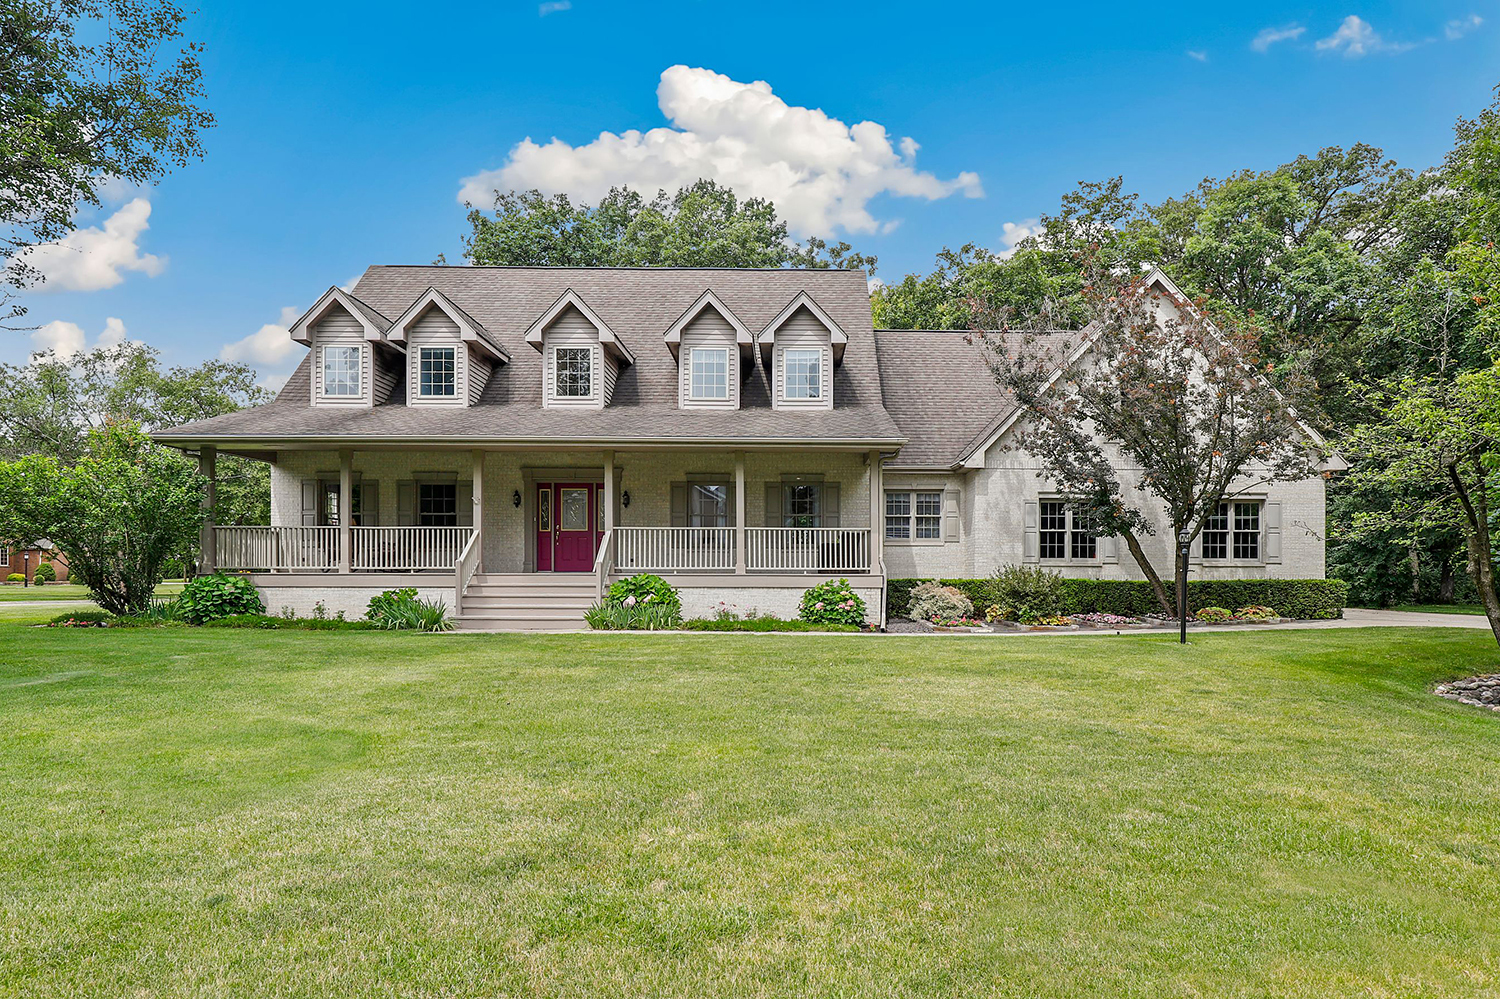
646	589
45	574
760	622
208	598
270	623
933	601
15	577
1027	593
832	603
400	610
1256	612
610	616
1293	598
1214	615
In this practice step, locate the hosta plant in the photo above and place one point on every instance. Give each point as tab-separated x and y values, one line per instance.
1214	615
208	598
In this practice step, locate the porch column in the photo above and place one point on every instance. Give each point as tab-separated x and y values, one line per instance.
478	518
207	537
739	512
877	514
609	491
346	510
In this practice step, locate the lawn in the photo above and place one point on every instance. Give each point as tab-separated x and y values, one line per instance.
64	591
1440	608
214	813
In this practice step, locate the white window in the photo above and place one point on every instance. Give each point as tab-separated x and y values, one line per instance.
437	372
575	372
1066	533
916	515
708	373
341	372
803	374
1234	527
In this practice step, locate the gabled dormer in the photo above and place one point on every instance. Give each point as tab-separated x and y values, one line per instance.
353	362
581	355
799	349
714	353
449	355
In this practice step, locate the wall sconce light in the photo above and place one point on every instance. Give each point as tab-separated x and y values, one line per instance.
625	497
515	498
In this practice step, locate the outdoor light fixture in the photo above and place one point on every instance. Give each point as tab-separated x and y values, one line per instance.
515	498
625	498
1182	572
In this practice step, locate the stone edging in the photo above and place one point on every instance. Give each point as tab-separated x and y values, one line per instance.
1479	691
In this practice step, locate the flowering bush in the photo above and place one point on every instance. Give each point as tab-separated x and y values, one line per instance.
958	622
832	603
1104	620
1026	593
933	601
1214	615
1256	612
646	590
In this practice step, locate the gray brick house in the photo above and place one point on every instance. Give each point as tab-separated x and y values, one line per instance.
511	439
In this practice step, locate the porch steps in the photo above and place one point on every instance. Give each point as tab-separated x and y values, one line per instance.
526	602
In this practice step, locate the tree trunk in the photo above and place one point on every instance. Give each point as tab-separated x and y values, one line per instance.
1445	582
1168	604
1415	564
1481	552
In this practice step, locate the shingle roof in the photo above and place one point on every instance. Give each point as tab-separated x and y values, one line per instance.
639	304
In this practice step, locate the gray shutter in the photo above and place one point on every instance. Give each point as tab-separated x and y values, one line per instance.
406	503
830	504
464	500
369	504
773	505
950	515
1195	550
679	504
309	502
1109	549
1273	532
1030	542
731	509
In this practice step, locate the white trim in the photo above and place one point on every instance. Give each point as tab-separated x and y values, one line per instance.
457	385
595	362
360	353
469	329
536	331
837	337
1069	529
911	540
743	338
729	373
301	330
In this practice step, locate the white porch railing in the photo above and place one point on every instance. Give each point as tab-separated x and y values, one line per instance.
808	549
468	564
674	549
409	547
277	548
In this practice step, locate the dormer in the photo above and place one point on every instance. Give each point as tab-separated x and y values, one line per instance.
353	362
799	349
449	355
714	353
581	355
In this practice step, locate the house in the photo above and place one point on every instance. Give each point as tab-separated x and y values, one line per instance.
511	439
23	559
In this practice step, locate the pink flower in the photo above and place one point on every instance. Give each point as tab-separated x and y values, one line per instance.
818	605
630	600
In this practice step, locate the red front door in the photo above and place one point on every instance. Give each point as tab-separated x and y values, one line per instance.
567	520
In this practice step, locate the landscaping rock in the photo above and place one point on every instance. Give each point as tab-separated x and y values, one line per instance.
1480	691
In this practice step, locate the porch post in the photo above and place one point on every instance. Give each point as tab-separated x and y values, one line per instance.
609	491
478	518
877	513
207	537
739	512
346	510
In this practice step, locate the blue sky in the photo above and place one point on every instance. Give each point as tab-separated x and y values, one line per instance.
346	133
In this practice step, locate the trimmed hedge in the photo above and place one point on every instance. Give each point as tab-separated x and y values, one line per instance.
1298	598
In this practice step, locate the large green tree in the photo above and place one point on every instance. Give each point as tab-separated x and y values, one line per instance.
92	92
703	225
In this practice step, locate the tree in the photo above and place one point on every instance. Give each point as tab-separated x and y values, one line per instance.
121	513
704	225
92	94
51	406
1150	384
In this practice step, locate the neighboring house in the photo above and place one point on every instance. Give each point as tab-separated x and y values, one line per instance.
24	558
513	438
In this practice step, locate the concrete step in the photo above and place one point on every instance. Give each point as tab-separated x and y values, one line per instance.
523	592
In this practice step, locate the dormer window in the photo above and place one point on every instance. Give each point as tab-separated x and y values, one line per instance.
437	372
575	372
341	372
709	373
803	373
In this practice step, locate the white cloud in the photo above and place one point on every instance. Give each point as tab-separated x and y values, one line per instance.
820	173
64	339
1461	26
1356	38
1270	36
1198	54
92	259
271	345
1011	234
553	7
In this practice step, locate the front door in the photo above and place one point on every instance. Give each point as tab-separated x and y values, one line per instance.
567	518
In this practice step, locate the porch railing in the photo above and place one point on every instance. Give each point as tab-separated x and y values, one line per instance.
277	548
674	549
409	547
808	549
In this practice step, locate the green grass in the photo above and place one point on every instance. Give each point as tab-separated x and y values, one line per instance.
64	591
1440	608
215	813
